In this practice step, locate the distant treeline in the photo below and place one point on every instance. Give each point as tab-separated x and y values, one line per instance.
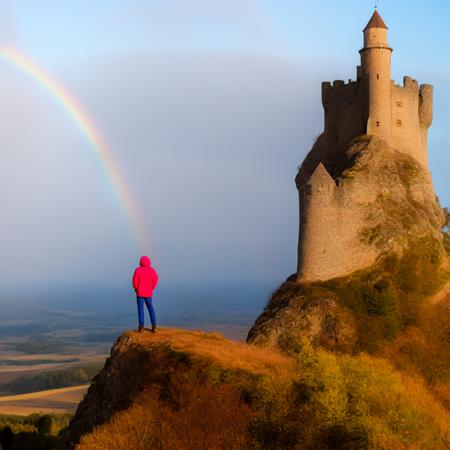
37	431
35	362
52	380
40	346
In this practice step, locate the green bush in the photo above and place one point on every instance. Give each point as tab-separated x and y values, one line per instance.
357	402
33	432
388	298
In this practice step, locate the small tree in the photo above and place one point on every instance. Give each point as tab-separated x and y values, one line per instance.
44	424
6	438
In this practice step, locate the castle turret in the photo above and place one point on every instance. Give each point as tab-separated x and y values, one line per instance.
376	73
317	223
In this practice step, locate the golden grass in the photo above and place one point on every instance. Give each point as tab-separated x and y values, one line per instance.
220	351
215	418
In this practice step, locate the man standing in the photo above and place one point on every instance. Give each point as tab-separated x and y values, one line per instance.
145	280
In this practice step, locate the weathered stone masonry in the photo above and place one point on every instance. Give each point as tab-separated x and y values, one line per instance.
372	105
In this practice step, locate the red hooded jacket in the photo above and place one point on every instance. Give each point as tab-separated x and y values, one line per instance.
145	278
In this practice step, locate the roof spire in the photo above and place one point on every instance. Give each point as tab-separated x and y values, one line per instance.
375	21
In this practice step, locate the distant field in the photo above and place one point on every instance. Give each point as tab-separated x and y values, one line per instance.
11	372
52	401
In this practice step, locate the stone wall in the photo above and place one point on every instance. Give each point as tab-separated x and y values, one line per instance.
411	118
374	207
330	244
349	109
344	115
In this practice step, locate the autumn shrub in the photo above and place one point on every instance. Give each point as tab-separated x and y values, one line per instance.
362	402
216	418
389	298
208	417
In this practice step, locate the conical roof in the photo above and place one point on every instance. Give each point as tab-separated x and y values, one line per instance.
375	22
320	176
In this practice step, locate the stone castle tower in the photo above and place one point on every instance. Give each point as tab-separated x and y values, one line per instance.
374	105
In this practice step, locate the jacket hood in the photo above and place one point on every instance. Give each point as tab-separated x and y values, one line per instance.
145	261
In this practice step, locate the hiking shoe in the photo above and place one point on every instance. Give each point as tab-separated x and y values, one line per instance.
140	329
154	329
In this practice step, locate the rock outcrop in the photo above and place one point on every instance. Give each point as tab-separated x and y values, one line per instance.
374	201
171	377
380	222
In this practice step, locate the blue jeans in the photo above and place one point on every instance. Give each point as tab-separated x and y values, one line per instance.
151	311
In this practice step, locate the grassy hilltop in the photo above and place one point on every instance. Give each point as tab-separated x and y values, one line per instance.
191	390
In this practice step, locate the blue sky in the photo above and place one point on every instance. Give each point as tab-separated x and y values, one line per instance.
209	105
59	31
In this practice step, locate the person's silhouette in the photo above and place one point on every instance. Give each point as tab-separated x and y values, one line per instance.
145	280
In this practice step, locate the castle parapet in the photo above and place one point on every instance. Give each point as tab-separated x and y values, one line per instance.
410	83
343	112
426	105
411	108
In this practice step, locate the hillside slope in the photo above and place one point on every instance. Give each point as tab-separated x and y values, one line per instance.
190	390
400	290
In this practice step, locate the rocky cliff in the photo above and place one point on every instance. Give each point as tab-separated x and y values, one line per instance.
367	202
394	219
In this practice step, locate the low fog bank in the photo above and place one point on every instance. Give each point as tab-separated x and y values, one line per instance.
208	143
104	312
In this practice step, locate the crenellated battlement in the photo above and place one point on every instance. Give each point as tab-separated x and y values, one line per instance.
338	88
403	118
343	112
376	105
411	112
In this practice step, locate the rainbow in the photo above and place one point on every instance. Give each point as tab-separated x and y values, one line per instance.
97	143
